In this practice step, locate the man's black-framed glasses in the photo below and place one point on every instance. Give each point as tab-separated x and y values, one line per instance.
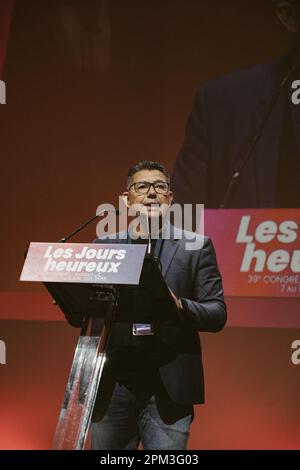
143	187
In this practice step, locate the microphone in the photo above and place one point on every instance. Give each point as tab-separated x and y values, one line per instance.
149	238
144	219
234	180
64	239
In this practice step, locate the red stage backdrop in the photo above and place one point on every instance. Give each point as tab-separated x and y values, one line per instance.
85	101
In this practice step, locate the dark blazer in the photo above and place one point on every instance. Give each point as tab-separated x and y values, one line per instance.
194	277
226	115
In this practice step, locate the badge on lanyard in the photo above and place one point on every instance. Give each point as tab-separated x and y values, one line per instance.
142	329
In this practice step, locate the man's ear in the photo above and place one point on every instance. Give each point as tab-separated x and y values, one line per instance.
126	199
171	197
286	14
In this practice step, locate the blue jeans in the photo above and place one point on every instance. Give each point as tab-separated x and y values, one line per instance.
130	420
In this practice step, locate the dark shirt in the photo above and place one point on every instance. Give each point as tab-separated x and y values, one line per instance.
136	366
144	241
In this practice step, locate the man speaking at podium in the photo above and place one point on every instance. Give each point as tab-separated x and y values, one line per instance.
151	382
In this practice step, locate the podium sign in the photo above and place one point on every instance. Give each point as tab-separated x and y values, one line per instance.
84	263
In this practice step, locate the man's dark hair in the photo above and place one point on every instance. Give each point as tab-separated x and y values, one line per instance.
146	165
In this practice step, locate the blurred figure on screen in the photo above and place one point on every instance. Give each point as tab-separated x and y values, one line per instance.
228	112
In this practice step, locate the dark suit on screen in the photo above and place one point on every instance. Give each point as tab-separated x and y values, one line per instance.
227	113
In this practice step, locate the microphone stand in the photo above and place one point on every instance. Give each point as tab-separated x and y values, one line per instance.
236	176
64	239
